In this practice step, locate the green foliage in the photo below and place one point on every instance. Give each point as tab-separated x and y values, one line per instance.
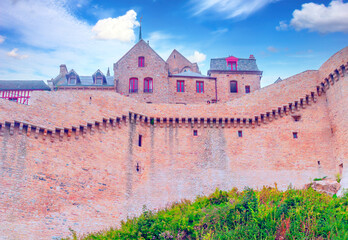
264	214
338	177
319	179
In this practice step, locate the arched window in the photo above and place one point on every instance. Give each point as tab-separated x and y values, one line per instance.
233	86
141	61
148	85
133	85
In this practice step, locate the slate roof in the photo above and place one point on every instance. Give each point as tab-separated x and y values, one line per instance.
242	65
23	85
278	80
88	81
189	74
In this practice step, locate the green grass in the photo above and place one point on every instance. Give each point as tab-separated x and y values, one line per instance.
264	214
319	179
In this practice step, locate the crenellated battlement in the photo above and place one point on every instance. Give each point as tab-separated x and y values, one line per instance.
252	121
159	121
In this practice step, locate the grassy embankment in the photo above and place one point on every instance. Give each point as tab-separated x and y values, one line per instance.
265	214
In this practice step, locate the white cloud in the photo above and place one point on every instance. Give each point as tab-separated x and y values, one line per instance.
272	49
158	36
51	35
229	8
283	26
13	53
318	17
220	31
120	28
2	39
197	57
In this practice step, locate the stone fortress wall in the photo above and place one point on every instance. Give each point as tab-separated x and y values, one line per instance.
72	158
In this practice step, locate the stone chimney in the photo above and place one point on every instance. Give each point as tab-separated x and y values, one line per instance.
251	56
63	70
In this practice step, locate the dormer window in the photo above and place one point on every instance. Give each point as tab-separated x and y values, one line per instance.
232	66
141	62
72	80
99	80
232	63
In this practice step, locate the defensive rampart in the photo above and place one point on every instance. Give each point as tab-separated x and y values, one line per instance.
76	159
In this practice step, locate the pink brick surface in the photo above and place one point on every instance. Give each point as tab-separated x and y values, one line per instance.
88	180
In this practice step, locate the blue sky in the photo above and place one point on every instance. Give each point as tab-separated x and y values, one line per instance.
285	36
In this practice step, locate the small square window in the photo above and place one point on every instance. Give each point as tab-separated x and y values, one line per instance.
247	89
240	133
195	133
294	134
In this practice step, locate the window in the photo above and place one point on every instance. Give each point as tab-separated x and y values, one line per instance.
180	86
13	99
247	89
294	134
195	133
200	87
133	85
233	87
99	80
141	62
72	80
148	85
240	133
140	140
232	66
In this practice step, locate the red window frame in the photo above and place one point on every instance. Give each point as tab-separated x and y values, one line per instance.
232	66
141	61
233	82
20	96
247	89
240	133
180	86
133	85
148	85
199	86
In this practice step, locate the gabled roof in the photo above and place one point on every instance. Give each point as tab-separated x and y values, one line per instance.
278	80
244	64
98	71
141	42
23	85
88	81
180	55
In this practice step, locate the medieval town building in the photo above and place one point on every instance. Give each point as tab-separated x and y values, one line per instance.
97	148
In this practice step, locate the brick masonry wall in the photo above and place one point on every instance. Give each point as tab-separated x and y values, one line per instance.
155	67
177	63
223	84
190	95
92	182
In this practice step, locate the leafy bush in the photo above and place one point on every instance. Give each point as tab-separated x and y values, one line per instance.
264	214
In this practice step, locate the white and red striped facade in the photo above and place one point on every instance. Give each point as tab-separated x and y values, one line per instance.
20	96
